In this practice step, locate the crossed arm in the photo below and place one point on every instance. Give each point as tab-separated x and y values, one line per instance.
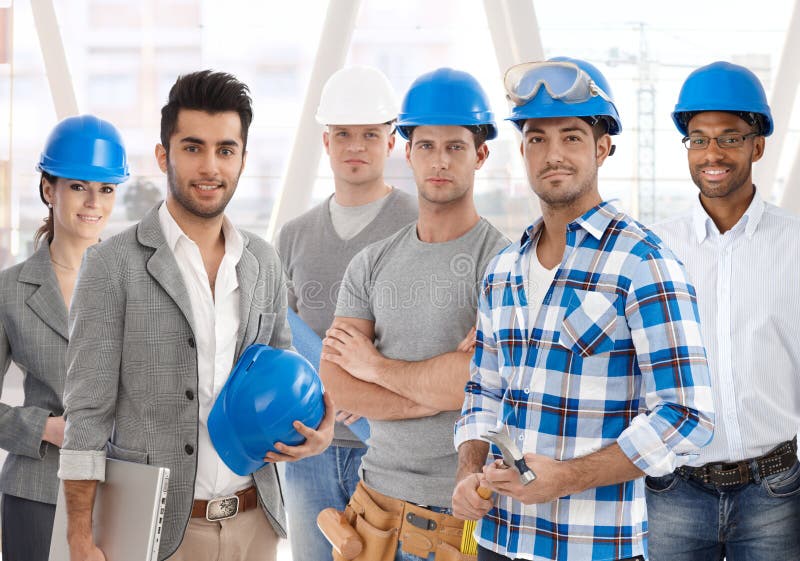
364	382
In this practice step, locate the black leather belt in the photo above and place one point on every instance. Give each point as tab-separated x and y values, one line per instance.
777	460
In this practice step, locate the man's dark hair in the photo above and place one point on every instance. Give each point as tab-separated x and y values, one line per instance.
479	133
209	91
758	122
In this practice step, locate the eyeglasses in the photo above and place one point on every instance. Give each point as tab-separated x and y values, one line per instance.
726	141
564	81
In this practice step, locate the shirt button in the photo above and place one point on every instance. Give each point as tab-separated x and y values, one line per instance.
189	395
527	391
521	437
189	449
190	340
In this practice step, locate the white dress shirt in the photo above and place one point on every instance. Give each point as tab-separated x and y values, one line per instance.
215	323
747	282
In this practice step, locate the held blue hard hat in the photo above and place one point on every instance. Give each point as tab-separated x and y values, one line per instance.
723	86
86	148
266	392
560	87
446	97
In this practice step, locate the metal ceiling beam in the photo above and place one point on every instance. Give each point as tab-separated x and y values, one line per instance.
294	196
784	89
55	59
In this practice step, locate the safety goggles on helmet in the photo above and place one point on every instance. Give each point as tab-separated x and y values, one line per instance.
563	81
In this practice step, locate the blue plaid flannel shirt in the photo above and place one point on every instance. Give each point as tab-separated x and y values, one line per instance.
613	355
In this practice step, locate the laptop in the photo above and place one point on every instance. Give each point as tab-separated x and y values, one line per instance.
128	513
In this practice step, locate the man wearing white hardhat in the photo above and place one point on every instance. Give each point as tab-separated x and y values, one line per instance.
358	107
399	349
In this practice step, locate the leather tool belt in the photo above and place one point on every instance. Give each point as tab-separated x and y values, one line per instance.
382	521
777	460
226	507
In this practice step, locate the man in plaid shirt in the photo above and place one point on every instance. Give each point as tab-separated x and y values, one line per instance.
588	348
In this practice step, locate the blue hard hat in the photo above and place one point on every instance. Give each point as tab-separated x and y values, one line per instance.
446	97
723	86
266	392
86	148
543	106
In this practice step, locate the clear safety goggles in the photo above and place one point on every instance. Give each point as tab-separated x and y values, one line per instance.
564	81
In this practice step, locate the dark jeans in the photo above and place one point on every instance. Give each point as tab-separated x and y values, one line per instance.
27	527
691	521
486	555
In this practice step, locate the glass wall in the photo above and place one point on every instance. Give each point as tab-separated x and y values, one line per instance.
123	57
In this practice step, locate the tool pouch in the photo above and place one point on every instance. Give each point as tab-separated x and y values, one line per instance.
422	530
446	552
376	524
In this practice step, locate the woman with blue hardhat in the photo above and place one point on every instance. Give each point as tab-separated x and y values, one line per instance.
81	165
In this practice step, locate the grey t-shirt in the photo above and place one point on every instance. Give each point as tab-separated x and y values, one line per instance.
423	299
315	258
350	220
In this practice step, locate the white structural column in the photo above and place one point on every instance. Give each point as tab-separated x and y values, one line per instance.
515	32
55	59
784	89
298	181
791	194
516	37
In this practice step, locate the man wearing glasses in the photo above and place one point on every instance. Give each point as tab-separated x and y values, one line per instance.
740	498
588	352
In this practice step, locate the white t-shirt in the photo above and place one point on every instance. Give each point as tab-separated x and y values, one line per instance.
538	282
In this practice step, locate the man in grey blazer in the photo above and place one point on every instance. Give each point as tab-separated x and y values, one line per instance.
160	314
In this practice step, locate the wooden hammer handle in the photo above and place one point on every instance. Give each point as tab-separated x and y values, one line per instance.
341	535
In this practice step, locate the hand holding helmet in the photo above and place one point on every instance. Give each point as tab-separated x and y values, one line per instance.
269	409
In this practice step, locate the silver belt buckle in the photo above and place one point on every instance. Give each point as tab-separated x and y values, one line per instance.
222	508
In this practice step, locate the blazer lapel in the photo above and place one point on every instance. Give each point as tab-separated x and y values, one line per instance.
46	301
162	265
247	274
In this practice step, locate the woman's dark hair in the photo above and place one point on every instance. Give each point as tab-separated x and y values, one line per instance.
46	230
209	91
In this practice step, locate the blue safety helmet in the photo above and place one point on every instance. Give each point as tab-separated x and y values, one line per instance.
543	106
266	392
446	97
86	148
722	86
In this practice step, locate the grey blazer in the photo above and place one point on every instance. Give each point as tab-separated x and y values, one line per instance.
33	334
132	364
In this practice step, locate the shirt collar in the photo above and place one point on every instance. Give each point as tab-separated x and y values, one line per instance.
234	244
703	224
595	221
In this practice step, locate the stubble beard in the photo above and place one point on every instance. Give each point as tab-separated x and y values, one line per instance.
191	205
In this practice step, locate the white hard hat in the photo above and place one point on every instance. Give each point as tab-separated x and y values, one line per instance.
359	95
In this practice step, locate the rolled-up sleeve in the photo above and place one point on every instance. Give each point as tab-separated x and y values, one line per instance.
483	393
661	311
93	369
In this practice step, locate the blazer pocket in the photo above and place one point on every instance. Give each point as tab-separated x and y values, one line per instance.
116	453
590	323
266	323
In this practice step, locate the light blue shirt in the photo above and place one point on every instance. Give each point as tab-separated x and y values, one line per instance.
747	282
